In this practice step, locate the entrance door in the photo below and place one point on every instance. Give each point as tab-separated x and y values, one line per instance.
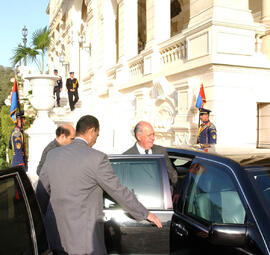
263	125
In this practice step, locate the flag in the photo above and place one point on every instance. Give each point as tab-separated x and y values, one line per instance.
14	102
201	100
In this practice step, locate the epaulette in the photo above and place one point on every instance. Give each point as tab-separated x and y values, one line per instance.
212	126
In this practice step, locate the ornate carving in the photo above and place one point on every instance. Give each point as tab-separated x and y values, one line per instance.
164	94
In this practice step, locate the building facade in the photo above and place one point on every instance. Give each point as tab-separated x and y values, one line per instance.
146	59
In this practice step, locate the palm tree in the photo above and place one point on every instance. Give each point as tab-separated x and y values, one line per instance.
40	44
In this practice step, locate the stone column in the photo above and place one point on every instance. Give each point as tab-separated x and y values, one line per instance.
109	34
75	47
162	20
265	48
130	28
235	11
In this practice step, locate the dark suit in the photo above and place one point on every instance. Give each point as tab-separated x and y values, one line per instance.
57	90
74	177
73	96
157	149
53	144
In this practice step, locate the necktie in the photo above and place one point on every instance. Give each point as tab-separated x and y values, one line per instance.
146	151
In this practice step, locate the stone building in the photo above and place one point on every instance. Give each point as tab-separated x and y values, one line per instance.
146	59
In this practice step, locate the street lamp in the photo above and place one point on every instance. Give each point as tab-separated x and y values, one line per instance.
24	34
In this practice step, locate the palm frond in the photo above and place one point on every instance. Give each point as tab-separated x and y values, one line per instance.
40	44
22	52
41	39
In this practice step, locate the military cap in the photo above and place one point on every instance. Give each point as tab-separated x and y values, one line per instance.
71	72
204	111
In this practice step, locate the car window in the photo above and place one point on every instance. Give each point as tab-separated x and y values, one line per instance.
212	196
143	178
262	181
14	221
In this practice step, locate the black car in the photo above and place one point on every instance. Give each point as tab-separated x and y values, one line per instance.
21	224
224	206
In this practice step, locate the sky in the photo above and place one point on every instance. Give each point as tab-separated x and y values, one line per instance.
14	15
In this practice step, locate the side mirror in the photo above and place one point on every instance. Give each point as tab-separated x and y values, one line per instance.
234	235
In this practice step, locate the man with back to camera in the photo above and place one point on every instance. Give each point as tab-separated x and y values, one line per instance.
70	189
72	85
64	136
207	133
145	136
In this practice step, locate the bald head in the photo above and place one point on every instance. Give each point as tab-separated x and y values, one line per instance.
144	134
65	134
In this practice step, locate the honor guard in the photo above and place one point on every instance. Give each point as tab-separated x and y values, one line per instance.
72	85
57	87
16	142
207	134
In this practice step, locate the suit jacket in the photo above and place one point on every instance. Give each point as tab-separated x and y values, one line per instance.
157	149
72	84
53	144
73	178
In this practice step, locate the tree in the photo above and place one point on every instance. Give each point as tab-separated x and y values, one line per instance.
6	73
40	44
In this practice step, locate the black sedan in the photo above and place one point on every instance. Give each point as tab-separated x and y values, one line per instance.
224	206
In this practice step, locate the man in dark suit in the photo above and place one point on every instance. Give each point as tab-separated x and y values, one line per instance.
57	87
70	193
64	135
72	85
145	136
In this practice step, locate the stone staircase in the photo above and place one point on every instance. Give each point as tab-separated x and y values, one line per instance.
63	114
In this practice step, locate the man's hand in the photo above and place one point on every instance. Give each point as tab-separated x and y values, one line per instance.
153	218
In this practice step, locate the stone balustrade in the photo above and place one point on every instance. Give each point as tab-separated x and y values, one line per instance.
136	67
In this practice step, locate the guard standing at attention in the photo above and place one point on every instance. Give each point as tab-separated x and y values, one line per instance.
72	85
207	134
57	87
16	142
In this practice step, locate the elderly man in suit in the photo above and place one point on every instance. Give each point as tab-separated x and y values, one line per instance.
70	191
145	136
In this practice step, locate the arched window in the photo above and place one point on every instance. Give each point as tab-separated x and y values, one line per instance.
178	20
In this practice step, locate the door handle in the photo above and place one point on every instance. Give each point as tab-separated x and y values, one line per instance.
180	229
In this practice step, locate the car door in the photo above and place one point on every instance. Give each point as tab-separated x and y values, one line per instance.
211	198
147	177
21	224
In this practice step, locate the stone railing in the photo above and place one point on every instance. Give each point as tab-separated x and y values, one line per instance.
168	52
173	50
136	67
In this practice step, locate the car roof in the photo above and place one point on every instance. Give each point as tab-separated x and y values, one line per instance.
245	159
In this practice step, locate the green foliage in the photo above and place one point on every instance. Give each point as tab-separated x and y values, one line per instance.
40	44
6	73
5	131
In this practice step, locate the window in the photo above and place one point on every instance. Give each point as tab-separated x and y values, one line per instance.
212	196
14	222
143	178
